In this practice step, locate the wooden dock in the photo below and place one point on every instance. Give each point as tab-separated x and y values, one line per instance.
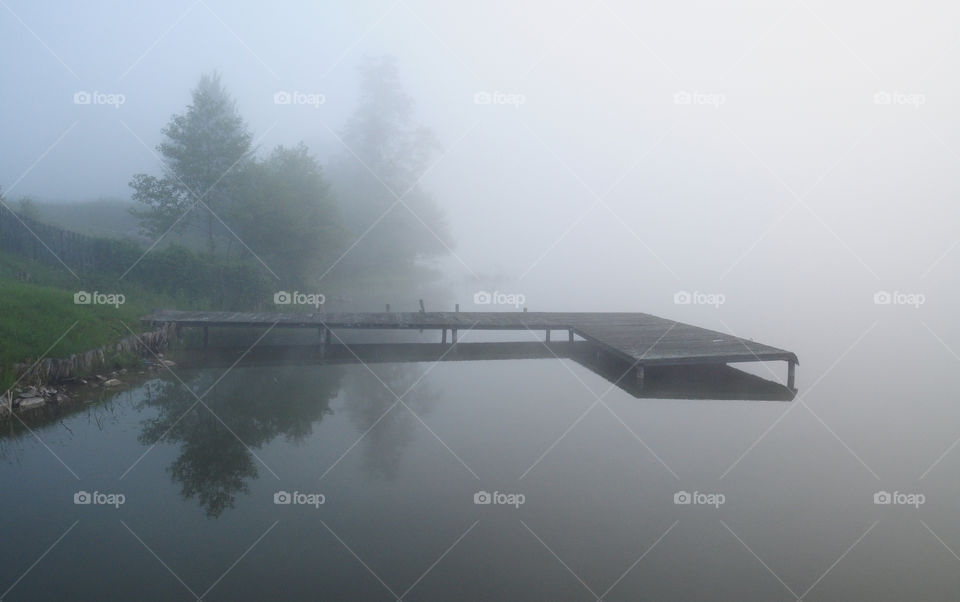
639	339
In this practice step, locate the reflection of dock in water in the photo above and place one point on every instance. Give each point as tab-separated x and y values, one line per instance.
643	341
674	381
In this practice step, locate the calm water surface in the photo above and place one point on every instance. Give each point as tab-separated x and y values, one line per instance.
786	513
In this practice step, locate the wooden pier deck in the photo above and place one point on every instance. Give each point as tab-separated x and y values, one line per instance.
639	339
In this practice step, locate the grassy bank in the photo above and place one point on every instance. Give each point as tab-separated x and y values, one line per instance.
38	316
38	321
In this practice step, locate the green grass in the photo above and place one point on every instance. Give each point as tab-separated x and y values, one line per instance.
37	309
39	321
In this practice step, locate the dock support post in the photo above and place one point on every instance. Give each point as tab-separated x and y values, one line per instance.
388	308
640	375
422	308
453	336
443	337
457	308
571	335
206	335
548	335
791	375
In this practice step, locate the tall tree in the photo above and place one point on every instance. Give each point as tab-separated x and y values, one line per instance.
205	152
387	154
287	215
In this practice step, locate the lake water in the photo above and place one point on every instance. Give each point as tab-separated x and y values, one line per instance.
583	491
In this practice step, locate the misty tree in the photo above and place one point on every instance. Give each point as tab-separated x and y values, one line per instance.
387	154
205	152
287	215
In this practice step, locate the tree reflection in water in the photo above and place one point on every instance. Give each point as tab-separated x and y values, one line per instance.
367	399
253	405
248	408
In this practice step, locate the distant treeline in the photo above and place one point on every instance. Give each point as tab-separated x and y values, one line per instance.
230	224
365	214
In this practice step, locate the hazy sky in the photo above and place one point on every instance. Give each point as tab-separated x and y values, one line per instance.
598	155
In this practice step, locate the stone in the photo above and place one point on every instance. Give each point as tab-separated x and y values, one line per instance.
32	402
112	383
168	363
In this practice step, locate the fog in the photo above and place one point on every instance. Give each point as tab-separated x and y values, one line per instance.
793	160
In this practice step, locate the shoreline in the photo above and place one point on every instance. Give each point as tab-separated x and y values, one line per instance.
48	382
